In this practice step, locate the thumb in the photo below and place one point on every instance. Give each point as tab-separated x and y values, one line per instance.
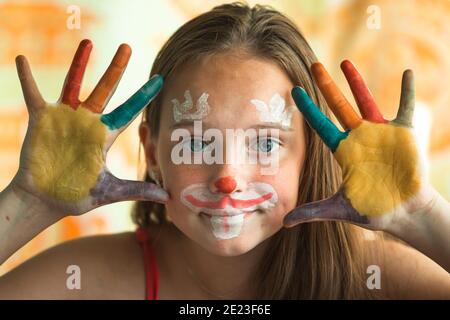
338	207
112	189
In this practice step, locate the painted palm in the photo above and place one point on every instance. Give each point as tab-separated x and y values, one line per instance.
63	157
383	176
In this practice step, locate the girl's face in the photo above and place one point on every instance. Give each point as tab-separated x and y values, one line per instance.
230	151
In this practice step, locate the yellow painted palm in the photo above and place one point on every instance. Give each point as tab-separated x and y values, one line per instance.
383	176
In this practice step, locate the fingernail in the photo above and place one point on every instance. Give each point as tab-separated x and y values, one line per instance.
161	195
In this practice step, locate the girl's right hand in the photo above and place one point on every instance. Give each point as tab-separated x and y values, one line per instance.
62	162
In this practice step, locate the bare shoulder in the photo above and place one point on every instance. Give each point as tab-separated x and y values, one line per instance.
407	273
109	267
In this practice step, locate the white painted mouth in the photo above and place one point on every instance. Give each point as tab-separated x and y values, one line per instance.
227	227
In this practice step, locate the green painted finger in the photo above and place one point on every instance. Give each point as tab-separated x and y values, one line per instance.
324	127
124	114
407	100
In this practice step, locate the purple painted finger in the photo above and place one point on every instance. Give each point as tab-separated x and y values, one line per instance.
111	189
337	207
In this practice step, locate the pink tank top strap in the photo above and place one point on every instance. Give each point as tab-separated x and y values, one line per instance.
150	265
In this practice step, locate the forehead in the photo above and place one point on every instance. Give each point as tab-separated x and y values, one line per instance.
231	83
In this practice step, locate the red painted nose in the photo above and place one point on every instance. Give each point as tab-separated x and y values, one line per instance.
226	184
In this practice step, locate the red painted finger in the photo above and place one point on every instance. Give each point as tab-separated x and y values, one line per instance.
71	89
364	99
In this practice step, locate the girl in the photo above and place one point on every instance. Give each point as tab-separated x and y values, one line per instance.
210	228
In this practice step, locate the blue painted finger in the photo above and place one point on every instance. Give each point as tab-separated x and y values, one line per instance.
325	128
124	114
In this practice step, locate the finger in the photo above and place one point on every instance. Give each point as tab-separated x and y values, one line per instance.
342	109
324	127
337	208
407	100
107	85
33	98
111	189
72	84
124	114
363	97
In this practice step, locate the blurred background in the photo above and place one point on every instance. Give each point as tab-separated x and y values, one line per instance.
382	37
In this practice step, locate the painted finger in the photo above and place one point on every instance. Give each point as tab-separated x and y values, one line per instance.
72	84
121	117
324	127
407	100
111	189
337	102
33	98
363	97
98	99
337	208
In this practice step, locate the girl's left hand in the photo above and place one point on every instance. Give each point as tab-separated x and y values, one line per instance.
384	183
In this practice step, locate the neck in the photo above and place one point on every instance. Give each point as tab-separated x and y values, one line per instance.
218	277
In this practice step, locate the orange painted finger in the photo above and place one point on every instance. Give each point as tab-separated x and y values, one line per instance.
107	85
363	97
71	89
340	106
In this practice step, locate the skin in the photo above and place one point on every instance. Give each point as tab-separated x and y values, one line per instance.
112	265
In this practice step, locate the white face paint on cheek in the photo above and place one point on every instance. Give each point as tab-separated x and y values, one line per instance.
185	110
275	112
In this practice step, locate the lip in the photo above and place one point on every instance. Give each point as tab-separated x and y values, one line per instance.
246	214
227	201
257	197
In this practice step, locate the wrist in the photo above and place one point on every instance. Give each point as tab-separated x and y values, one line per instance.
22	217
428	229
21	203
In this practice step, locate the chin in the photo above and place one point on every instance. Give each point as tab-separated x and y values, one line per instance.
233	247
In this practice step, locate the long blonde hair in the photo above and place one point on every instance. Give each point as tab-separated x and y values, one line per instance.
313	260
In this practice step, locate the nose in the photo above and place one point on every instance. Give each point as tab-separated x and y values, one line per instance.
226	184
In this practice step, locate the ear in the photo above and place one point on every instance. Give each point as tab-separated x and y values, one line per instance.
149	144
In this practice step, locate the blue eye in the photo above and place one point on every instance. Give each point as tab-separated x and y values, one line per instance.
197	145
267	145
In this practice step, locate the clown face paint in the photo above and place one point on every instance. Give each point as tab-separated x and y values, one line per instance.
227	212
275	112
185	110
